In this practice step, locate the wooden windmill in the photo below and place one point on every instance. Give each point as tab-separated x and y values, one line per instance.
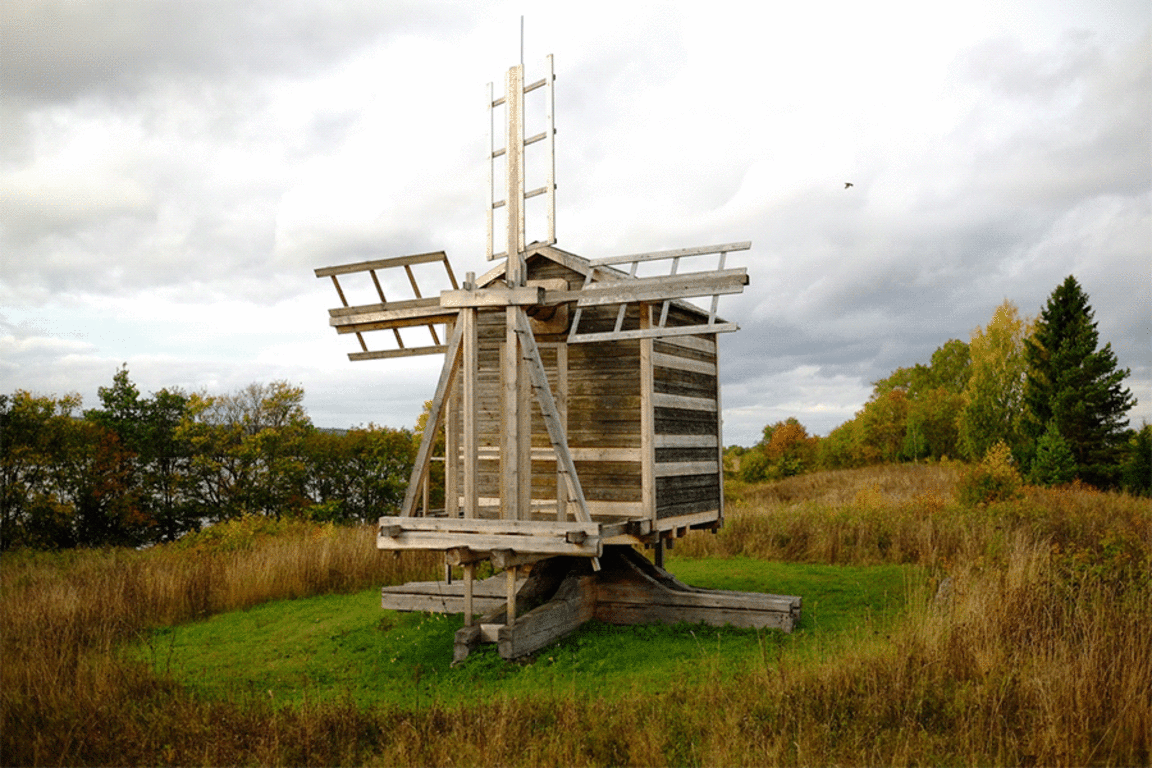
580	407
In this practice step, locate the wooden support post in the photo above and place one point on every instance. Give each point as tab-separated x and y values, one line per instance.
509	438
511	576
468	411
516	447
469	575
647	420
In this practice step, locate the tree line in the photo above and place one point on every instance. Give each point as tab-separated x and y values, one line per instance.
141	470
1042	387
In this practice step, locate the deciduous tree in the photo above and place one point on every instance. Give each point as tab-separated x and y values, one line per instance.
994	408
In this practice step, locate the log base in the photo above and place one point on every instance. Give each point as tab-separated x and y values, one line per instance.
564	592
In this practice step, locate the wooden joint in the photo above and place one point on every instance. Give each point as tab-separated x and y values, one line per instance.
463	556
575	537
391	531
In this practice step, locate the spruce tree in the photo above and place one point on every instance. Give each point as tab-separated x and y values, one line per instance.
1075	386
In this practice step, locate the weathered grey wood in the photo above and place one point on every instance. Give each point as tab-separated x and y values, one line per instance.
399	261
424	453
662	400
683	363
647	420
493	297
384	306
556	433
686	441
702	250
682	286
391	318
385	354
651	333
468	409
572	605
481	542
687	468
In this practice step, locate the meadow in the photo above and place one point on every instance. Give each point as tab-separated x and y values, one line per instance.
1012	633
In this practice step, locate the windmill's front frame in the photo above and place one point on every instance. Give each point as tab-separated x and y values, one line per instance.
642	418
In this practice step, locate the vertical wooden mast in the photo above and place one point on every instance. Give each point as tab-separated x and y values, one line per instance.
516	445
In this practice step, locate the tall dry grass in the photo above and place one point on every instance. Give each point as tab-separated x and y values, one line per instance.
1036	649
63	616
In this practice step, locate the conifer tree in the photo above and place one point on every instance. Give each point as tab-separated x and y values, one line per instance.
1077	387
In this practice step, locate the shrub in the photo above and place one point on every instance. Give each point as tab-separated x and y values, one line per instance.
1054	463
993	479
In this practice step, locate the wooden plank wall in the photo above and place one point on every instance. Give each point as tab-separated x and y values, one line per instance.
603	411
686	424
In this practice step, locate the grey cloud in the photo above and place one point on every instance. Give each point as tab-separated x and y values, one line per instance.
51	50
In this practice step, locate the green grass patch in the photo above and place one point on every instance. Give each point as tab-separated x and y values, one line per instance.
346	647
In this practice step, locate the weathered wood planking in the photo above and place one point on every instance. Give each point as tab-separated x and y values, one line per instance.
562	593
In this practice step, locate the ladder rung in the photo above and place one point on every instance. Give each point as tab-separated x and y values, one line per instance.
538	137
498	102
497	204
498	153
538	84
536	192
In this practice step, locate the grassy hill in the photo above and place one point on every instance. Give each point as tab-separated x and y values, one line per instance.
1004	633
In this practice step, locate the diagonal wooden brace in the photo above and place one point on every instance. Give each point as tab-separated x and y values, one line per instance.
435	414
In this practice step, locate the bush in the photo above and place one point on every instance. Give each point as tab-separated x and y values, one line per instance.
993	479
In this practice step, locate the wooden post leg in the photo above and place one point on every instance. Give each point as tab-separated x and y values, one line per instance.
469	572
511	595
658	559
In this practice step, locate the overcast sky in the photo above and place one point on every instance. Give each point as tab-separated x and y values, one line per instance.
171	174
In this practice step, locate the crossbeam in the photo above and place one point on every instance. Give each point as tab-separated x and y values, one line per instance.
386	315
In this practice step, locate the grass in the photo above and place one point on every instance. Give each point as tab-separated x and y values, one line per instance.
1037	652
344	647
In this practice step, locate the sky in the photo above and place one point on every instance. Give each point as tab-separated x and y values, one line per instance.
172	173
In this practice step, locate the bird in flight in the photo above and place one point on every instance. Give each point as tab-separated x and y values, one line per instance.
847	184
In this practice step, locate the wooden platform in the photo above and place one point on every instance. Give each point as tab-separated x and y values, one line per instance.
564	592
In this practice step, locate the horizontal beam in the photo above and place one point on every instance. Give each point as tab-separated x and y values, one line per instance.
479	525
390	306
679	468
364	266
531	295
663	400
406	352
652	333
661	360
685	441
488	542
702	250
664	287
398	318
492	453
